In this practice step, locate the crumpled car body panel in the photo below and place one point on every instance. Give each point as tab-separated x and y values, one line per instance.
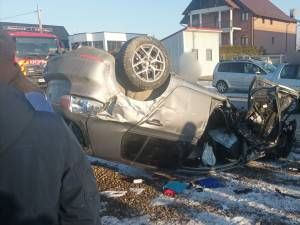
160	132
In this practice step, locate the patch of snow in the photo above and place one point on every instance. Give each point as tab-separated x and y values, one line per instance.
263	201
212	219
288	177
110	220
259	184
113	194
294	157
137	191
162	200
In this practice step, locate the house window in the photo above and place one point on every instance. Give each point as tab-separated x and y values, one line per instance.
195	53
245	16
273	40
98	44
86	43
114	46
195	21
244	40
209	55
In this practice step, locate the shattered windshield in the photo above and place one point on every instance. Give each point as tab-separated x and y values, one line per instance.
269	68
35	46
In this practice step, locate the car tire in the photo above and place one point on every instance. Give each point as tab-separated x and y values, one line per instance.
222	87
142	64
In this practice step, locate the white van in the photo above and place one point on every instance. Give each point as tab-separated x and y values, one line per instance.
238	74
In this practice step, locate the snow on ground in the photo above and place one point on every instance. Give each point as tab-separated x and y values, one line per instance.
110	220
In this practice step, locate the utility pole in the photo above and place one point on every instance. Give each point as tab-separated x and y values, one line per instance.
39	12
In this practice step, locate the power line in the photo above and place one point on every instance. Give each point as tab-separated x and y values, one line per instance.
22	14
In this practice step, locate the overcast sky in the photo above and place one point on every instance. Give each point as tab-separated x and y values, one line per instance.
155	17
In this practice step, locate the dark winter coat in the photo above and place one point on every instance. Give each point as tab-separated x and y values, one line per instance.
44	175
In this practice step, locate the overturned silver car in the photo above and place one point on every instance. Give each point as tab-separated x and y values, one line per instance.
140	114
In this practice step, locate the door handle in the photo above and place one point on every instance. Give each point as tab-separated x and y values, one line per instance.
154	122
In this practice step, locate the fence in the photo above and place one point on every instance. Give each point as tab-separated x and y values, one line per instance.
274	59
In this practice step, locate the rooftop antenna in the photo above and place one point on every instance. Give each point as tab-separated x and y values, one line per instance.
39	12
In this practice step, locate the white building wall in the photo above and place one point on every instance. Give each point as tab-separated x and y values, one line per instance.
187	62
98	36
174	46
115	36
77	38
203	41
102	36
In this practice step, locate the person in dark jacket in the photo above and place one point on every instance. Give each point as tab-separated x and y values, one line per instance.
45	177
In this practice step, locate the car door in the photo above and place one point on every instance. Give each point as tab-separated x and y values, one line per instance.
250	71
237	77
182	117
290	76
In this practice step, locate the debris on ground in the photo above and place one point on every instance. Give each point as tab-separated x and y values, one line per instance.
137	191
176	186
222	137
208	156
113	194
138	181
209	183
169	192
200	205
162	201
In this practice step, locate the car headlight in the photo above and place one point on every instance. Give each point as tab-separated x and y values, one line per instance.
81	105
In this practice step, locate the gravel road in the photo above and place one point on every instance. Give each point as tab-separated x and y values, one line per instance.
273	197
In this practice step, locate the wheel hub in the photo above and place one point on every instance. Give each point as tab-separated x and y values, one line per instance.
148	63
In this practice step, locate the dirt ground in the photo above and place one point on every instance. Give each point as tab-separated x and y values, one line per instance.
272	196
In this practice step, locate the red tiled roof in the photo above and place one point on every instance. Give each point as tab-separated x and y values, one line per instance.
265	8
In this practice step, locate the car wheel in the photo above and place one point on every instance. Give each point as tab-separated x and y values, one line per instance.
222	86
144	62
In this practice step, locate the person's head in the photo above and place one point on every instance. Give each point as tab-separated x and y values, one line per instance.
7	50
7	46
10	72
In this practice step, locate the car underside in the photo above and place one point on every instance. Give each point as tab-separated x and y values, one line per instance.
171	124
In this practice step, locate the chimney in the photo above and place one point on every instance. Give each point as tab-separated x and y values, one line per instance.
293	13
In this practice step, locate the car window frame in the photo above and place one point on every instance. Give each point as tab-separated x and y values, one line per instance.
261	70
222	64
297	74
241	67
230	70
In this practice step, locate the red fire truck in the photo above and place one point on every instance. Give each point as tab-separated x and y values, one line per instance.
32	50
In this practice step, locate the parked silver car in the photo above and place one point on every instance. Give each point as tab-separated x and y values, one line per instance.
287	75
238	74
